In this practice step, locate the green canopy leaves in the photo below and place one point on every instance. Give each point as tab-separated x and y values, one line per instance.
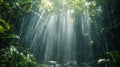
4	26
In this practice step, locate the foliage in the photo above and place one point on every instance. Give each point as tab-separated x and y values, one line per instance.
79	4
43	65
11	54
14	8
56	6
114	56
113	59
46	5
4	26
25	5
6	37
52	6
14	58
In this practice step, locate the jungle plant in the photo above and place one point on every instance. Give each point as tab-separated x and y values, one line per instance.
113	59
5	37
4	26
11	57
9	54
12	54
14	8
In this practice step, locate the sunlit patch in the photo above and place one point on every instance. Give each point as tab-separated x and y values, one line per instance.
46	4
91	42
86	34
87	3
72	11
99	9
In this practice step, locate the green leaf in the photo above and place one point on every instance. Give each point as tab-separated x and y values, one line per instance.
1	29
115	56
25	1
13	48
22	64
4	26
1	1
12	36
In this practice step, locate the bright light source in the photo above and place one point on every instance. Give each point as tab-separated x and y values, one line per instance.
46	4
72	11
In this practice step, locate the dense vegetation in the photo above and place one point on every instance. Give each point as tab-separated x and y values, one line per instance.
12	54
105	32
